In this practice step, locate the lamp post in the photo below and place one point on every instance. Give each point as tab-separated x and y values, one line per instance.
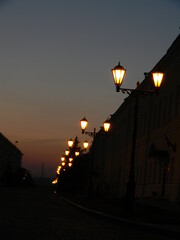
118	73
84	123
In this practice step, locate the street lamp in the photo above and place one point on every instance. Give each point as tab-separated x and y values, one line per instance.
118	73
106	125
70	164
85	145
84	123
70	142
67	152
58	170
63	164
77	153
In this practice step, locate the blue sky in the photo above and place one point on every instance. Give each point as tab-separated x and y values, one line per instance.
55	62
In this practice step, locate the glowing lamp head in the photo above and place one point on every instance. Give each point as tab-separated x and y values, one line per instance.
76	153
70	142
157	78
85	144
62	159
70	164
58	170
118	73
106	126
70	159
63	164
84	123
67	152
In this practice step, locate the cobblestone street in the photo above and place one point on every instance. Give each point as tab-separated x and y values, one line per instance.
38	214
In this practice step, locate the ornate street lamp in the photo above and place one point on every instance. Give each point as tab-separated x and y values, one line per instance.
70	142
77	153
70	164
67	152
118	73
70	159
84	123
157	78
58	169
63	164
85	145
106	125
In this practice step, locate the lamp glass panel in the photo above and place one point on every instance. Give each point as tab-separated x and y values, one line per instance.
84	124
85	144
106	126
118	76
70	142
157	78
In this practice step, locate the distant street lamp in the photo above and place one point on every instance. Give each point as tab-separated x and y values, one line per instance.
84	123
70	142
118	73
85	145
77	153
63	164
66	152
70	164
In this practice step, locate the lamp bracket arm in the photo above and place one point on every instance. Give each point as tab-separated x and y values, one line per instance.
141	92
90	134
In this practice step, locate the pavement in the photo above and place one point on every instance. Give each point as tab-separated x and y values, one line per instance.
157	215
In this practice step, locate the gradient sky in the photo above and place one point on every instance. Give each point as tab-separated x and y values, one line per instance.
55	62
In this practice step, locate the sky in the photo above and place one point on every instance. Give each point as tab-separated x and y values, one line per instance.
56	58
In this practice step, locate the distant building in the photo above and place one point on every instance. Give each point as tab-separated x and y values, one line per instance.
10	157
157	162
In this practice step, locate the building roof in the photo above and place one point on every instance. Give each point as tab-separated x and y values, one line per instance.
9	144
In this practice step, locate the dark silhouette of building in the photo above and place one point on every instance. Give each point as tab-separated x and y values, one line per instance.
10	160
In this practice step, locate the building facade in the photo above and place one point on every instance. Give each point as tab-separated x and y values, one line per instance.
157	158
10	158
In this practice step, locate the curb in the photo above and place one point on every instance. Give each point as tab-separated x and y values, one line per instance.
163	230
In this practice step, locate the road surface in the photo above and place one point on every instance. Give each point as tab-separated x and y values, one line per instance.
37	214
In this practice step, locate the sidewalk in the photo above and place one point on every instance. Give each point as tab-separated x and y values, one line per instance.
157	215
